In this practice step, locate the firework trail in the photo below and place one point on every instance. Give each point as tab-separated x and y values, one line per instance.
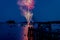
26	6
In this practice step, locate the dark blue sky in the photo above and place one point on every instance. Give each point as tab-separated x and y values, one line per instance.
45	10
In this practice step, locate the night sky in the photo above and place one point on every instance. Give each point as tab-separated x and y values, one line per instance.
45	10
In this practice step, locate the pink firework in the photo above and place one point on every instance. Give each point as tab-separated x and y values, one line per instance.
27	3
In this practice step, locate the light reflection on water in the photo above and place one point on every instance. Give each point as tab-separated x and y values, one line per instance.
15	30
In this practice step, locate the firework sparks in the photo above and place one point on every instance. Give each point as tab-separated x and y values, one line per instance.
28	3
25	6
28	16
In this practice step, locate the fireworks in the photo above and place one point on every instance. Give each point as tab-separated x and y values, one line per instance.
27	3
25	6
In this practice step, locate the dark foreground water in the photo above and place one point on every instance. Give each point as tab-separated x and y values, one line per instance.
14	31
